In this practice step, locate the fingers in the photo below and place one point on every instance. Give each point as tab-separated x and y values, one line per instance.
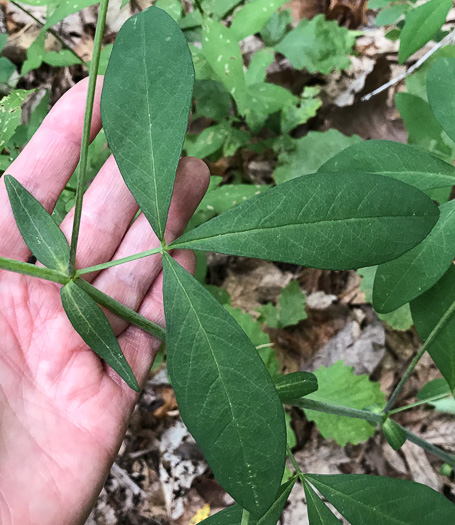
129	283
48	161
107	211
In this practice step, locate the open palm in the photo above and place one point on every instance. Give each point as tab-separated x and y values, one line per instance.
63	412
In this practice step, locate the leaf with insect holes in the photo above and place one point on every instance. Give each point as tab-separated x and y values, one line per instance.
377	500
145	108
93	326
233	515
440	82
421	25
10	113
393	159
225	395
437	307
318	512
332	221
39	230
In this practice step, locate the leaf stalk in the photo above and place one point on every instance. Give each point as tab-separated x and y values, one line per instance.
24	268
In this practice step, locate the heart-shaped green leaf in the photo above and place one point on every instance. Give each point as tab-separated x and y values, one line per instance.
332	221
378	500
399	281
225	395
93	326
393	159
39	230
145	107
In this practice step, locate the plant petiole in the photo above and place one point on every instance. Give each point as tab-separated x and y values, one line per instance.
417	403
81	174
298	470
35	271
124	260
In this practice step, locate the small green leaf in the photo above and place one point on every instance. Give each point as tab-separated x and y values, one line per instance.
292	387
222	52
318	45
65	9
172	7
318	512
399	281
41	234
393	159
331	221
257	69
290	308
427	311
63	58
145	108
310	153
225	395
295	115
124	3
251	18
35	54
394	434
440	82
339	385
92	325
389	16
233	515
10	113
276	27
435	388
421	26
378	500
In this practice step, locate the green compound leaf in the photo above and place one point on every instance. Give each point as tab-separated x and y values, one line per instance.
339	385
394	434
93	326
225	395
145	108
39	230
253	17
427	311
233	515
440	82
222	52
331	221
378	500
318	45
421	26
398	282
292	387
10	113
393	159
318	512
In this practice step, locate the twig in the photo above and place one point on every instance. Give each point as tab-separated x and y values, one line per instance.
450	38
51	31
126	481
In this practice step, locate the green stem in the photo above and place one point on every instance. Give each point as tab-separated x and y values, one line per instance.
419	355
121	310
51	31
199	7
36	271
245	517
81	174
374	419
124	260
298	470
417	403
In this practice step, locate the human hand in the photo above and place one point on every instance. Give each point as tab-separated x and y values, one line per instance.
63	411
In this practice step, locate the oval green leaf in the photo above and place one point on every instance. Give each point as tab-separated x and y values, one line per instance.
93	326
434	316
393	159
292	387
394	434
400	281
331	221
39	230
145	108
421	26
440	82
251	18
225	395
378	500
